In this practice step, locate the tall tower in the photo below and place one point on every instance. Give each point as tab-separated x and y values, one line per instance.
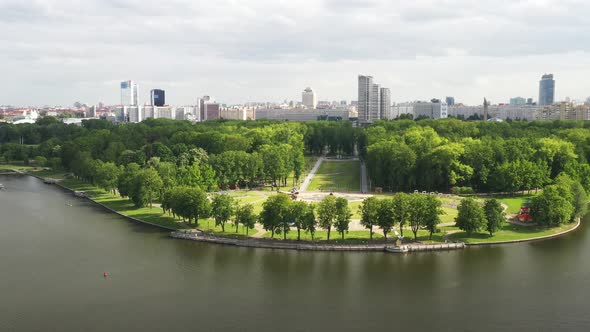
309	98
486	105
546	90
129	93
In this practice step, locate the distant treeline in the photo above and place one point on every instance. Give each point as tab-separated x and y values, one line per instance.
404	155
454	155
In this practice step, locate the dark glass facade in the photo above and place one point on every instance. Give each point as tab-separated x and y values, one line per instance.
158	97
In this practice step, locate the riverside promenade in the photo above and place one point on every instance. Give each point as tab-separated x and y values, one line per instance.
310	246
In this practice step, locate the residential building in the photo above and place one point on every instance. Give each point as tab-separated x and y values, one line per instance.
385	103
212	111
546	90
302	115
368	99
450	101
435	109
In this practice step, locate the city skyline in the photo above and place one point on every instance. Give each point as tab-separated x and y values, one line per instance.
78	53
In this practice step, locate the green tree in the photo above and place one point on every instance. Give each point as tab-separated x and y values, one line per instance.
386	216
222	209
309	221
416	211
108	176
274	210
126	179
401	209
494	214
431	214
470	217
147	186
327	213
297	213
246	217
552	207
342	220
369	211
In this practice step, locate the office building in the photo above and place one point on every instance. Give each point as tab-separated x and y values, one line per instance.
385	103
368	99
309	98
158	97
450	101
129	93
546	90
518	101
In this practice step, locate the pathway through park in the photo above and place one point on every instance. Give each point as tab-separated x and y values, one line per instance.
311	174
364	179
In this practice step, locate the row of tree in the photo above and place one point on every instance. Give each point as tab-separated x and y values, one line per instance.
416	210
473	217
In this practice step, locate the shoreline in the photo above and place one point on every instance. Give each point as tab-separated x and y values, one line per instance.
296	245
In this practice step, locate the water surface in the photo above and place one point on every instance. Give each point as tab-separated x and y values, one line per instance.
54	249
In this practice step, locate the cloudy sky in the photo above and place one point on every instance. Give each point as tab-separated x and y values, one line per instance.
62	51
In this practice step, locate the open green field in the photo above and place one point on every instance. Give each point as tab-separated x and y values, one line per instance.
510	232
337	176
515	203
18	167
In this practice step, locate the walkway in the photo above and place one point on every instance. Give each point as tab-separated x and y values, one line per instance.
364	179
311	174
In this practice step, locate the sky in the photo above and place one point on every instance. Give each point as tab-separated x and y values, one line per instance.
57	52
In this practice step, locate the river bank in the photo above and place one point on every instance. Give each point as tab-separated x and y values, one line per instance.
125	209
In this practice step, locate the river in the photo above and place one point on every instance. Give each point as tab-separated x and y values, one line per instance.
54	249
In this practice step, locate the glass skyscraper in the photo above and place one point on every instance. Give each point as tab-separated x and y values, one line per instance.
546	90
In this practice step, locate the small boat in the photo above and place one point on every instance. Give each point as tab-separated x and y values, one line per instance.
1	186
400	249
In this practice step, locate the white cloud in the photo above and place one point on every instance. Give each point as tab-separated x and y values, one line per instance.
60	51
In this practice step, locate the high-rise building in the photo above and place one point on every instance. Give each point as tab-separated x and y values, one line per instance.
309	98
517	101
546	90
385	103
212	111
201	104
368	99
450	101
158	97
129	93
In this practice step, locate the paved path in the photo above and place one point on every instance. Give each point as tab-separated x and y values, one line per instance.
364	180
311	174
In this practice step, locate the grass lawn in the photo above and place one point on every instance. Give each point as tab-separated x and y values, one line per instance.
510	232
515	203
337	176
18	167
449	216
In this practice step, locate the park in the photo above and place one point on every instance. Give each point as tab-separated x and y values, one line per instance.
422	182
